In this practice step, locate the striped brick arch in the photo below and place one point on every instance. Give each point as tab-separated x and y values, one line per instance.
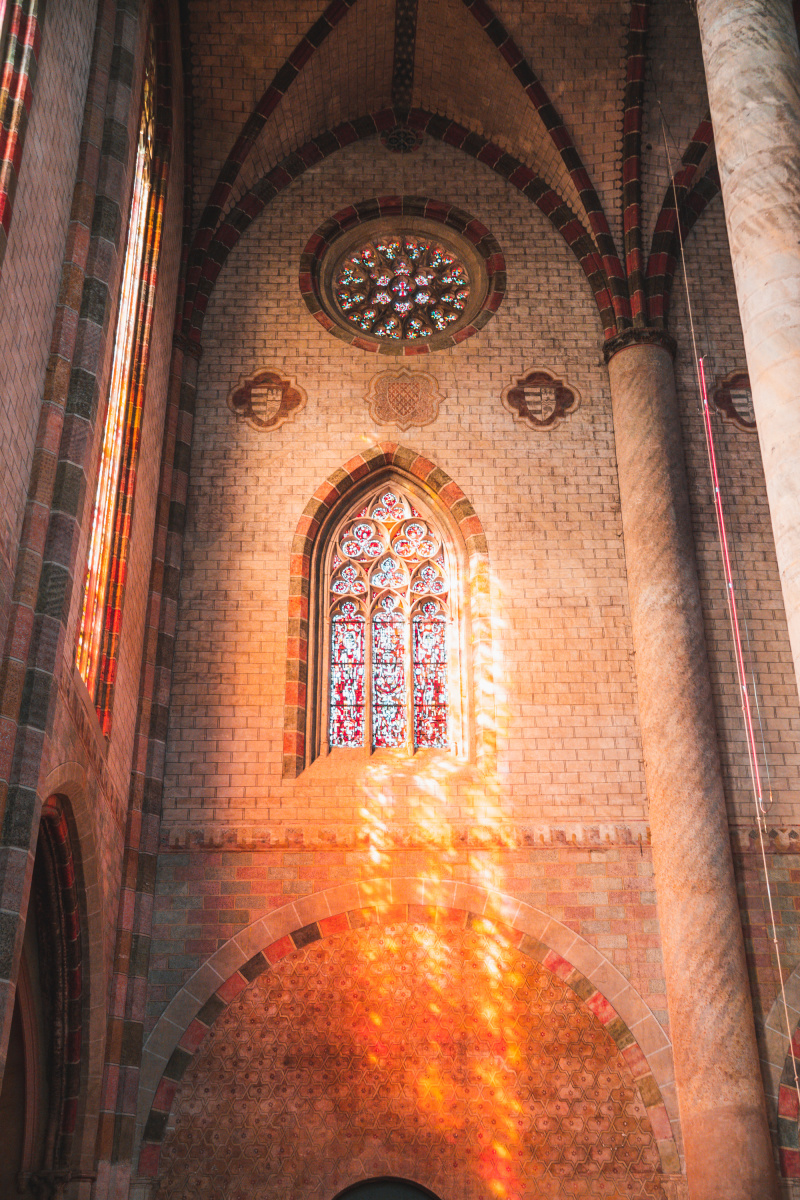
261	946
386	457
441	129
780	1058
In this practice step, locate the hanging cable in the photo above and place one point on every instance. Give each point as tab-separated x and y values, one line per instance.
730	594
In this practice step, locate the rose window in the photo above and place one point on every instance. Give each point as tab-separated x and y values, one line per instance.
402	286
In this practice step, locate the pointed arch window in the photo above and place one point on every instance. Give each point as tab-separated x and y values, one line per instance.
390	639
100	621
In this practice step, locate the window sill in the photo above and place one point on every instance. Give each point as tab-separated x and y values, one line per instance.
90	712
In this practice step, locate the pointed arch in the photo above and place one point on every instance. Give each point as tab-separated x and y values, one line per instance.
383	459
615	1003
441	129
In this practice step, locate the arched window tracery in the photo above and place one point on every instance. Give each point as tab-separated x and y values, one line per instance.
389	629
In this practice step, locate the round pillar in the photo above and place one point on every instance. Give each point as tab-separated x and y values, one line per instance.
720	1093
753	76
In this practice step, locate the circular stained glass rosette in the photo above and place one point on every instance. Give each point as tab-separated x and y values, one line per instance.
402	286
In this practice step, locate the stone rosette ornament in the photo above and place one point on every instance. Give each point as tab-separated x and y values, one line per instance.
267	399
539	399
403	398
733	399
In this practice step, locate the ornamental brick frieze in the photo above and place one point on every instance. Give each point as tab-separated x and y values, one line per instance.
403	398
539	399
267	399
405	837
733	399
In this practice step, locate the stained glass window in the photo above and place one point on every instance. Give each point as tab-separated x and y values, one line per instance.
347	675
112	509
389	622
402	286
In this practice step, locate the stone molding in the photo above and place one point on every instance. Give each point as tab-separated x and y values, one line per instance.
403	837
639	337
615	1002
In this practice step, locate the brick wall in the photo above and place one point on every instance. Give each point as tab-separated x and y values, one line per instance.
76	736
32	266
560	633
205	895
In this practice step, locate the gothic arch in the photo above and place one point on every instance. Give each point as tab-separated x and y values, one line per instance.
69	803
442	129
381	458
194	1009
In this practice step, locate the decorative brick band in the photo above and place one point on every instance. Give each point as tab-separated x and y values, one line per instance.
406	206
632	160
386	457
183	1027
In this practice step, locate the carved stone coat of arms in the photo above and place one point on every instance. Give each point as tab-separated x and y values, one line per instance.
539	399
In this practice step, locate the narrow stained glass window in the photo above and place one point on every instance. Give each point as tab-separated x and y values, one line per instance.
388	675
430	676
389	621
113	501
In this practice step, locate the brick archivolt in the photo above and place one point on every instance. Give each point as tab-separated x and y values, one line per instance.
386	458
595	981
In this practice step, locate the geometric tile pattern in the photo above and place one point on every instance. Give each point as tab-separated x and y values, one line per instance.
436	1052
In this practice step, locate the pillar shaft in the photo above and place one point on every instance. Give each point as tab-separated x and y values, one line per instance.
753	76
720	1094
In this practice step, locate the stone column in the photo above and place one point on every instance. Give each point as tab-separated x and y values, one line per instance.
753	76
720	1094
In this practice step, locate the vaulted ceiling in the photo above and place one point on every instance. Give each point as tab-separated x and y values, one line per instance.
573	89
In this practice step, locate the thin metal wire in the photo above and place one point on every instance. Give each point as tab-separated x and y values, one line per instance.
732	610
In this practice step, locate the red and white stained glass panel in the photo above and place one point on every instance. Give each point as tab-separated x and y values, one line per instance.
385	557
347	677
430	676
389	726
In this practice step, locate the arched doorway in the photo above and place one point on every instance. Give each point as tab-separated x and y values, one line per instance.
386	1189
